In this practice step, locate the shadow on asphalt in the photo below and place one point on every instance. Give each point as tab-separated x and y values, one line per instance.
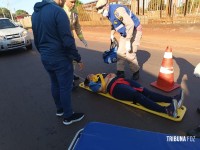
12	53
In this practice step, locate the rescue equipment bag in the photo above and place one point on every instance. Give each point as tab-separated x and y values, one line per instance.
110	56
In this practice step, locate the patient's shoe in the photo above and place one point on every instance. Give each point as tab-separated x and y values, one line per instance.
197	70
172	109
180	98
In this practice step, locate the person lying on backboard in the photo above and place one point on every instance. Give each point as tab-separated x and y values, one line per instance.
130	90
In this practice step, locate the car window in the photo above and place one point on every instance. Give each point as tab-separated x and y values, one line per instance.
6	23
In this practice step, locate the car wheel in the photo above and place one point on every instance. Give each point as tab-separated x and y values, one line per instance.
29	47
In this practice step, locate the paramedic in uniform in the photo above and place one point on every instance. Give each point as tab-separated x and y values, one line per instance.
128	25
72	14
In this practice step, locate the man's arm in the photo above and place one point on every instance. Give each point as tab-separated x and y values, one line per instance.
63	27
103	84
78	30
34	33
98	86
77	27
124	17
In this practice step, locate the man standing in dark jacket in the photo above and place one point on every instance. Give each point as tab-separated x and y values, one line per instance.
56	45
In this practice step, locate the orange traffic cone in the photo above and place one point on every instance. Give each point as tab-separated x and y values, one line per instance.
165	79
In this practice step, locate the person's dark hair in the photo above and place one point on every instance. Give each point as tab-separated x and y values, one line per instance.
86	82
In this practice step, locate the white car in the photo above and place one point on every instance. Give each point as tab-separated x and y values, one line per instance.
12	36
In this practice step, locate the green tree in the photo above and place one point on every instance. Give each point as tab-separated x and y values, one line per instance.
21	13
4	12
78	2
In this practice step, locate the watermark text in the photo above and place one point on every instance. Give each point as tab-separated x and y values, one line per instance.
180	138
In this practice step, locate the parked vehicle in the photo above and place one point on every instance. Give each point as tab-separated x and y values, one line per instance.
12	36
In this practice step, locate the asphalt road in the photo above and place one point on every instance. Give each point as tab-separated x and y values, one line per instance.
28	120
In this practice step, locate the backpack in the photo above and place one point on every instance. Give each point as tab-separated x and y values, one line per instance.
110	56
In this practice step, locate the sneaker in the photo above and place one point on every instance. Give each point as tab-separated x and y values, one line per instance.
75	117
194	132
136	75
76	77
172	109
180	98
120	74
59	112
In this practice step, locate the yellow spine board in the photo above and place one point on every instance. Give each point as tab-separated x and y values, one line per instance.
181	111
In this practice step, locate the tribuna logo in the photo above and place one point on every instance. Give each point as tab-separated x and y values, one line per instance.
180	138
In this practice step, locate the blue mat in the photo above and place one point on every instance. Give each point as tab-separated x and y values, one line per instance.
101	136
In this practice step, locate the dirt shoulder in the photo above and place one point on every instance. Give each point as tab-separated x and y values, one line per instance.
184	38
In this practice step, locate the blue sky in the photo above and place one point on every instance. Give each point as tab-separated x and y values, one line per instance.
26	5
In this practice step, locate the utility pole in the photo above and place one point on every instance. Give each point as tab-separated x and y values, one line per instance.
9	10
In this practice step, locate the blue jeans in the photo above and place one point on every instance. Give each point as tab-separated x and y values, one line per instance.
61	74
146	98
